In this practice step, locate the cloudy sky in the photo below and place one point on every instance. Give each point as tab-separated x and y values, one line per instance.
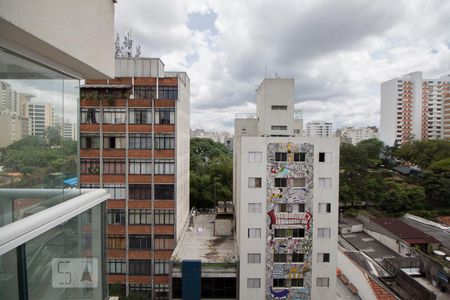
337	51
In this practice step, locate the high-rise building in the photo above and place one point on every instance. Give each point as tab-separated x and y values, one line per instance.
354	135
411	108
41	117
319	128
134	135
286	200
446	111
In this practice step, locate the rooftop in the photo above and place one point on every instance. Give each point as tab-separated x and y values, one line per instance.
367	244
408	233
199	243
438	233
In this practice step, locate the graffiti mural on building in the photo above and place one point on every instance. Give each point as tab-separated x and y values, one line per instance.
290	220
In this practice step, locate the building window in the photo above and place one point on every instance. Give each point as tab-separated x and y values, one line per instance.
298	233
140	166
324	232
324	207
164	242
90	115
140	191
116	242
280	156
279	127
140	141
144	92
140	267
280	233
114	141
254	182
322	282
279	107
140	116
89	166
253	283
323	257
298	257
164	192
161	291
139	216
286	208
325	183
280	182
141	291
164	115
279	257
116	216
297	282
90	141
139	241
116	266
296	182
113	166
325	157
279	282
300	156
254	207
168	92
301	207
164	217
161	267
164	166
114	116
117	191
164	141
254	233
254	258
254	156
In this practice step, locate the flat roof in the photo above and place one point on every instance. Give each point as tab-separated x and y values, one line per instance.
370	246
199	243
437	233
408	233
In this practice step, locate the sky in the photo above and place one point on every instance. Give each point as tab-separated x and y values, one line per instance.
338	52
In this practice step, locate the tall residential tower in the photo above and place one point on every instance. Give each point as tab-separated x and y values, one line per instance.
286	199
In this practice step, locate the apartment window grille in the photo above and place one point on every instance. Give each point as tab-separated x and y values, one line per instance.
254	233
324	232
164	242
280	156
164	115
254	258
114	116
139	216
140	116
140	140
254	182
161	267
279	127
280	233
161	291
296	182
284	208
164	192
116	242
324	207
325	157
140	191
141	291
116	216
89	166
323	257
140	166
254	207
168	92
164	166
116	266
300	156
137	242
90	141
322	282
117	191
298	257
280	182
140	267
144	92
90	186
325	183
279	107
164	141
298	233
297	282
253	283
113	166
114	141
90	115
279	257
164	217
279	282
254	156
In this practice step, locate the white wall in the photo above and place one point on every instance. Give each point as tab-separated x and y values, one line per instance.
388	112
77	36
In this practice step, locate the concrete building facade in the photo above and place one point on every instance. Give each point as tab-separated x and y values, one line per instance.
134	137
411	108
286	199
41	117
319	128
354	135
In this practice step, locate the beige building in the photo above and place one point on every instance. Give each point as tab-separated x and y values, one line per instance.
41	117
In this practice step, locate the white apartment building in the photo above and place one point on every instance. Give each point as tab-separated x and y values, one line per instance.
319	128
354	135
411	108
286	199
41	117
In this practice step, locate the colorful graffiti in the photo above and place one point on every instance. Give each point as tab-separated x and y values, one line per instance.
288	244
